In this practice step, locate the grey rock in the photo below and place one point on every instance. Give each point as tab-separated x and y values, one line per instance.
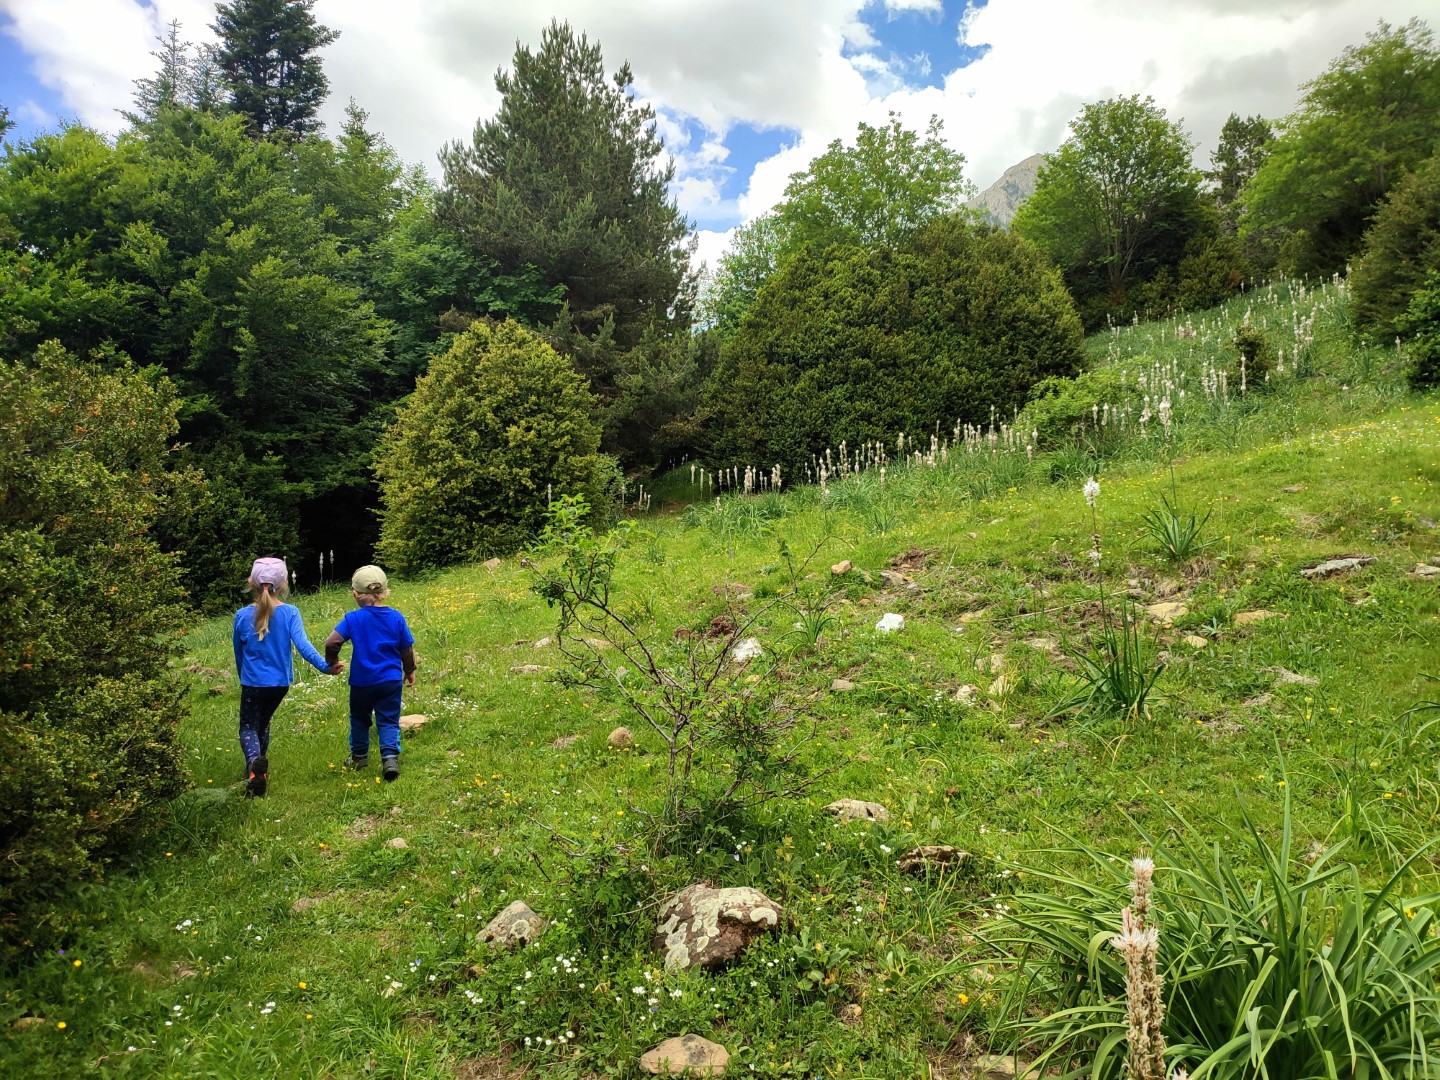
1336	566
858	810
516	925
1290	678
399	843
931	855
704	927
842	685
689	1055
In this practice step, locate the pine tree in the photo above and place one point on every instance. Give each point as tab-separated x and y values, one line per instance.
567	178
266	60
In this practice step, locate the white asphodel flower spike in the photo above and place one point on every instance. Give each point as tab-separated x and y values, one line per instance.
1092	491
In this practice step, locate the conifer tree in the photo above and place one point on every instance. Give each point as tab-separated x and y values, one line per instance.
266	56
567	178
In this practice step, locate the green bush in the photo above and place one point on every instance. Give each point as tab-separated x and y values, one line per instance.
1421	324
1401	247
1066	412
860	344
1253	348
499	426
89	612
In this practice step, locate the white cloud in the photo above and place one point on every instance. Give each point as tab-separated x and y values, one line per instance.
33	113
426	73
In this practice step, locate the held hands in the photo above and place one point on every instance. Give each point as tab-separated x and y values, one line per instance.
336	667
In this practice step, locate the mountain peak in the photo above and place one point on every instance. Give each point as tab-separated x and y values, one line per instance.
1001	199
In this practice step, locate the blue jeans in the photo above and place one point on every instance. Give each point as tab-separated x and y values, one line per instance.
383	700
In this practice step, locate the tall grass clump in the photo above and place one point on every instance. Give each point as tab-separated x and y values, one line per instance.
1290	970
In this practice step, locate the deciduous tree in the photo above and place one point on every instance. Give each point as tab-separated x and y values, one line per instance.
1370	118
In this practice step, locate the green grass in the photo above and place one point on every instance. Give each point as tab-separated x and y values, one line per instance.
368	951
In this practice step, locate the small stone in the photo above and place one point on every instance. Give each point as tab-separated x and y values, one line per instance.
412	721
1290	678
1002	686
543	643
25	1023
399	843
746	650
1293	489
840	686
621	738
844	566
850	1014
1331	567
491	564
689	1055
704	927
1195	641
857	810
965	695
995	1067
564	742
1049	646
516	925
1167	610
526	669
1245	618
970	616
890	622
892	578
219	688
1423	570
929	855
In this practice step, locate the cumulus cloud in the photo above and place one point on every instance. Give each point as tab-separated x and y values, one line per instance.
808	69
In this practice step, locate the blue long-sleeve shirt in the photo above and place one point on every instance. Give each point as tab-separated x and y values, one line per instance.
269	662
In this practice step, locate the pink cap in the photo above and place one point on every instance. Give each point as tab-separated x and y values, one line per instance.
270	572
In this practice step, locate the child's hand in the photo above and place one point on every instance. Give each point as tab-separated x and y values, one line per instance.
410	677
337	667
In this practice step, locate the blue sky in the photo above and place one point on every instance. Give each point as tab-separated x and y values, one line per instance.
747	91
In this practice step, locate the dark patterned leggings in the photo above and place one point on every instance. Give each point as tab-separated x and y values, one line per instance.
257	706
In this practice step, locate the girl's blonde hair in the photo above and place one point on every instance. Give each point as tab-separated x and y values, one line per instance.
267	599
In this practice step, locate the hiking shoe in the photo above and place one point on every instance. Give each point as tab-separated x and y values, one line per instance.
358	762
257	777
390	768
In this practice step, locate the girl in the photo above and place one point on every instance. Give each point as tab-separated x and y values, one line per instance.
264	633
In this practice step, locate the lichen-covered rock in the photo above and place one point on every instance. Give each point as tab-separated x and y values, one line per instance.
689	1055
857	810
516	925
705	927
931	855
621	738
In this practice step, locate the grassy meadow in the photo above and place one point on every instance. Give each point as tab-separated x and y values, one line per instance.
294	936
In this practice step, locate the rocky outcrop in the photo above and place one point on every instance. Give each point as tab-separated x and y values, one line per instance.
707	928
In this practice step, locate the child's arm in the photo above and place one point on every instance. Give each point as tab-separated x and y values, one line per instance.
408	661
235	642
332	648
304	648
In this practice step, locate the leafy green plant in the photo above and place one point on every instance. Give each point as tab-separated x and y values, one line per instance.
816	964
730	742
1179	532
1118	677
1302	972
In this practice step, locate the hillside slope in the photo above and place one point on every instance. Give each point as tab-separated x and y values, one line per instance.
330	929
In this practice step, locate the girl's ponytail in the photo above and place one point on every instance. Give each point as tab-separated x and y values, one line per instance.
265	604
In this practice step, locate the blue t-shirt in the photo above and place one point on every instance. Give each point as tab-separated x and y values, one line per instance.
378	636
269	662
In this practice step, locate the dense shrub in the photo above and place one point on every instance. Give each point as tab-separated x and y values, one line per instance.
1254	352
1421	324
861	344
1066	412
1402	246
89	611
499	426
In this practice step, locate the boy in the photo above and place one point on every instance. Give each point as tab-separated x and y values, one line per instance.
382	663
